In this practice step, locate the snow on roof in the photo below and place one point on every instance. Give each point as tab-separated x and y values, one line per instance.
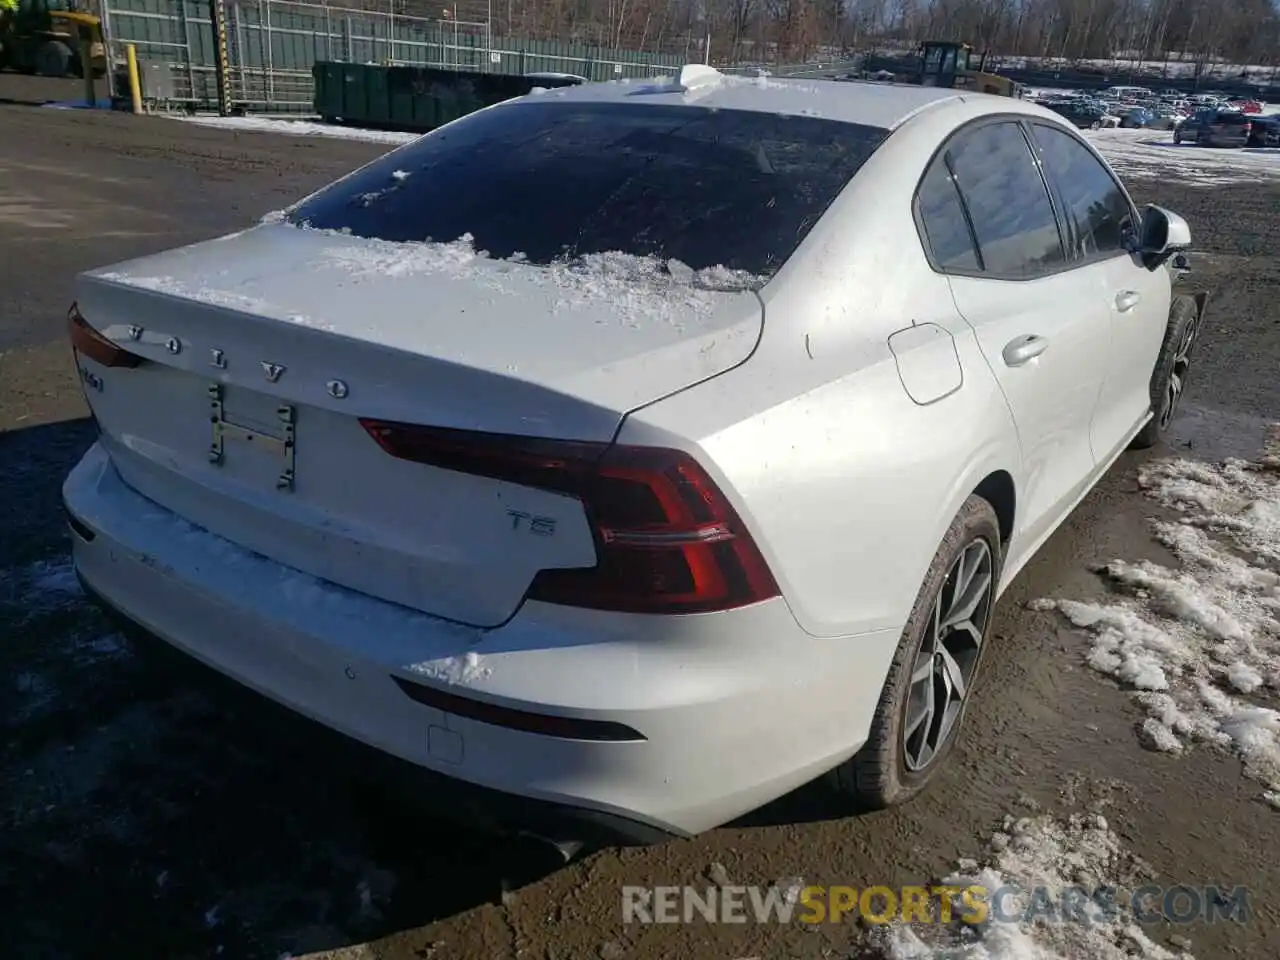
874	104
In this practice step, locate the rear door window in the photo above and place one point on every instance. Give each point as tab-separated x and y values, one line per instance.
550	181
944	225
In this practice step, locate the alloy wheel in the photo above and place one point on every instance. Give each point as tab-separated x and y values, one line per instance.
1178	375
947	658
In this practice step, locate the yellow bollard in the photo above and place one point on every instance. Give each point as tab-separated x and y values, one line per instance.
135	88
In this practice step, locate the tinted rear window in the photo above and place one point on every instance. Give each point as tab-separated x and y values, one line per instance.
1233	119
554	181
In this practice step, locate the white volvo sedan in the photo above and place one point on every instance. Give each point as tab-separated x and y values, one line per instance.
632	454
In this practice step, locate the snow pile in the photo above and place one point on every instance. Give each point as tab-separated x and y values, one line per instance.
462	671
1059	866
177	288
1152	154
636	287
385	259
1171	64
1201	645
696	78
300	128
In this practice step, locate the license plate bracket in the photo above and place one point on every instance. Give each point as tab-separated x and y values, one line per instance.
283	446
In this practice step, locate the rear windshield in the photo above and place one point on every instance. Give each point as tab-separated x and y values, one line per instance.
552	181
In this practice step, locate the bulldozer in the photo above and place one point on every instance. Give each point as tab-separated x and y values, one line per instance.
948	64
44	37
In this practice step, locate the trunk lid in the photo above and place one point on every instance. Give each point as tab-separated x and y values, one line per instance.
266	348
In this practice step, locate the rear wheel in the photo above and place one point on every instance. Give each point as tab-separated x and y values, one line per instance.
53	59
933	672
1169	378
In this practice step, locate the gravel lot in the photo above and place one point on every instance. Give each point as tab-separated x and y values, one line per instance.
149	811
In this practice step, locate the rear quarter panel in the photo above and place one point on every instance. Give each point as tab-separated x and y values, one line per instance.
848	484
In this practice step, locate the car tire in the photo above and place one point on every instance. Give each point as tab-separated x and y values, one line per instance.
897	761
1173	364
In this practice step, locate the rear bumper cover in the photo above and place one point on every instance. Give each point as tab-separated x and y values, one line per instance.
734	709
452	799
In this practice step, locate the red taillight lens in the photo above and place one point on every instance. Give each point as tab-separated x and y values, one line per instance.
667	539
94	345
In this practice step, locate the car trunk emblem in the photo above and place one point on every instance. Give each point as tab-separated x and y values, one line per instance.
272	371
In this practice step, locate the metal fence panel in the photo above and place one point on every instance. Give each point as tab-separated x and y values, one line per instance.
272	45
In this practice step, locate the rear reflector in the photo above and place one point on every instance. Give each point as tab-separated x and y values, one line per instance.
566	728
667	539
94	345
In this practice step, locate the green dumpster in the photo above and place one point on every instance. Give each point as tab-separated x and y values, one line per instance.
415	99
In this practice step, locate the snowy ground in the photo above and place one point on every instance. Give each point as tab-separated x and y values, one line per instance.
1152	154
299	128
1065	860
1200	645
1154	70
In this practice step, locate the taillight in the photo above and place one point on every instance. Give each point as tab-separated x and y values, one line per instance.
94	345
667	539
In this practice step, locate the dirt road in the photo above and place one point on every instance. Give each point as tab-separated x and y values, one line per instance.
148	812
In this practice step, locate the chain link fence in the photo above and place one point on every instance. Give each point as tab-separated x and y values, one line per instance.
271	46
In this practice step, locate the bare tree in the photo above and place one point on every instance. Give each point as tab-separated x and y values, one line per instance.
1202	32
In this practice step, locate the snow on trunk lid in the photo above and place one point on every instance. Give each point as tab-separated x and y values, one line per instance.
267	350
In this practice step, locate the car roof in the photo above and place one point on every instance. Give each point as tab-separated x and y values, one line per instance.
885	105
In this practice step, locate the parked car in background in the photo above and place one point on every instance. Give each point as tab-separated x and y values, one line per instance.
1214	128
1085	114
1165	118
1264	131
1136	117
1246	106
589	535
1128	93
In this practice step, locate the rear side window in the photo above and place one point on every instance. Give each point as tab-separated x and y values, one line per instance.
1008	204
1096	211
942	218
553	180
1232	119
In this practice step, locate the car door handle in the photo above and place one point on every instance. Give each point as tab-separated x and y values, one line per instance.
1126	300
1026	347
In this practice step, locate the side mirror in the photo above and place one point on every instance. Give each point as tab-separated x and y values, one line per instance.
1162	234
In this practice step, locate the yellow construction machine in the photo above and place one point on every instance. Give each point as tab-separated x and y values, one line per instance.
44	37
948	64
